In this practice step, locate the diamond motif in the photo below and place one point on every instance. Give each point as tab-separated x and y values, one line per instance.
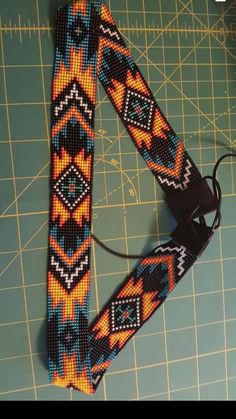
78	31
125	314
68	337
71	187
138	110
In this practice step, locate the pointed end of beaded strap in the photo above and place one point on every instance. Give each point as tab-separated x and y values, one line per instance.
83	387
80	383
72	379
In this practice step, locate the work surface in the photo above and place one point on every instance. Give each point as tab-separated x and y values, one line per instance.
186	50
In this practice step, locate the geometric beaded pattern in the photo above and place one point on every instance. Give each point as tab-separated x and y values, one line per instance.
125	314
89	45
71	187
138	110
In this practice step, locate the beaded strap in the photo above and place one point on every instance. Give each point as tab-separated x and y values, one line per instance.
88	44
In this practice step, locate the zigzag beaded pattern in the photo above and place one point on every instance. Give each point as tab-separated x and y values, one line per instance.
88	44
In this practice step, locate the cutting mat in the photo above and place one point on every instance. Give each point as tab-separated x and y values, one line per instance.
186	50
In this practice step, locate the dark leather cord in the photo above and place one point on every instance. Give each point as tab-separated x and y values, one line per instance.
217	192
114	252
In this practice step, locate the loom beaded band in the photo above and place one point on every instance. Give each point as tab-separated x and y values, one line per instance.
88	44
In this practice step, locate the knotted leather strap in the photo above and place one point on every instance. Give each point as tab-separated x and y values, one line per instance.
88	44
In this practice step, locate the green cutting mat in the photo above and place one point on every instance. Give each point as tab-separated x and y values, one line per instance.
186	50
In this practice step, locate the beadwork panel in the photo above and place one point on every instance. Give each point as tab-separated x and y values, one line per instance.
185	49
